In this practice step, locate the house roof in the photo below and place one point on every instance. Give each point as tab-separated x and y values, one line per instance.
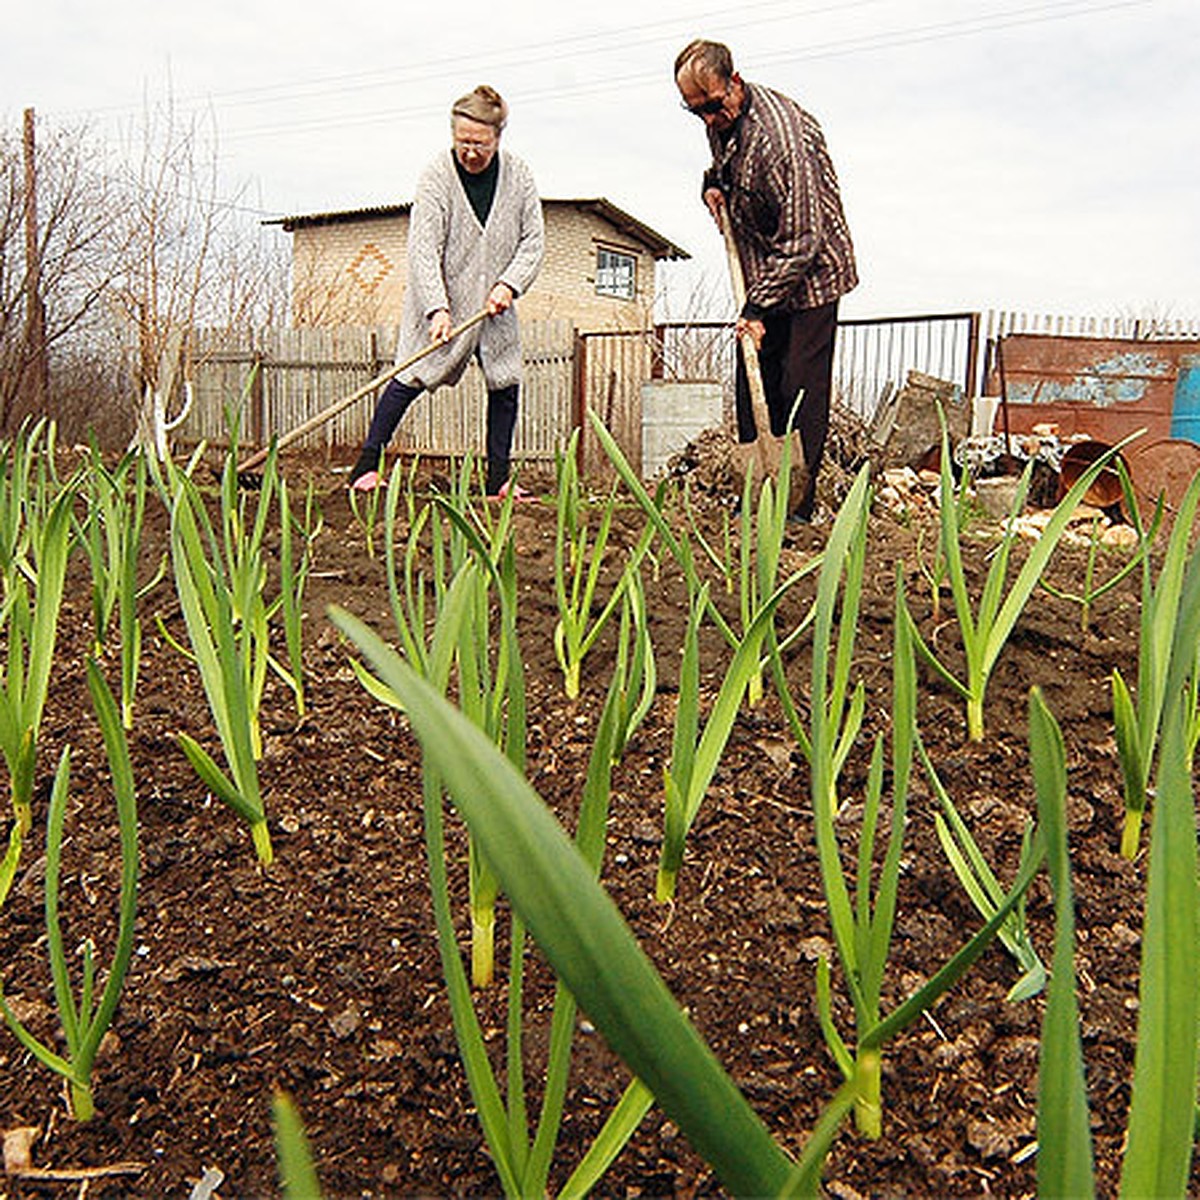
661	247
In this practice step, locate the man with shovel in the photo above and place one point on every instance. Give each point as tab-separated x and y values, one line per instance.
475	243
772	177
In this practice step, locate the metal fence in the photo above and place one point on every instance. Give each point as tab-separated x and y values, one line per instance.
874	355
278	378
870	356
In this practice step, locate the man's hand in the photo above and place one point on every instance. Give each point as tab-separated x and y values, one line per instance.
715	201
440	326
755	330
499	299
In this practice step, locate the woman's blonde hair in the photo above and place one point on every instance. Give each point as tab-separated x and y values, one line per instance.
484	104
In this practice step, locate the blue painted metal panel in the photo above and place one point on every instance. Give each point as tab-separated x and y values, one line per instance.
1185	410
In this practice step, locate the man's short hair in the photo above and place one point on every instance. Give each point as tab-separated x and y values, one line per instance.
712	57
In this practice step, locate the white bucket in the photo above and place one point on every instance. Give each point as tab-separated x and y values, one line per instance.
672	415
983	417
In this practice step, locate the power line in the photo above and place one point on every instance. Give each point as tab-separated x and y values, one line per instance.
944	31
935	32
530	54
606	42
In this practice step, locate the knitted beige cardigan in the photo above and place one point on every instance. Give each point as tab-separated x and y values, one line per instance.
454	262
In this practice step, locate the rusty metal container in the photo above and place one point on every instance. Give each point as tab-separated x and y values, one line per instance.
1101	388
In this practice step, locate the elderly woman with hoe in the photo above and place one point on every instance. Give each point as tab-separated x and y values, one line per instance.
475	244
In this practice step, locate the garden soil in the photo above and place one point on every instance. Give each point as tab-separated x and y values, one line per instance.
320	975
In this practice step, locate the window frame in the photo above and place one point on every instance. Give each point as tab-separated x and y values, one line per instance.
607	275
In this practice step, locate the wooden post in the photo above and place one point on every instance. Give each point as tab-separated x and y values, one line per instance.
658	352
258	399
579	396
36	374
972	381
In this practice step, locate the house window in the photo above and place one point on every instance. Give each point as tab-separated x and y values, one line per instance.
616	274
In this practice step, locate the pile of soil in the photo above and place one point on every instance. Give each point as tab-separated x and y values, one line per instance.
320	975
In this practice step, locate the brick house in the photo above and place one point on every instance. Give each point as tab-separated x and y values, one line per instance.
349	268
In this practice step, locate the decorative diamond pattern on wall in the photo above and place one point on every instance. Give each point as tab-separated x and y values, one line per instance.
370	267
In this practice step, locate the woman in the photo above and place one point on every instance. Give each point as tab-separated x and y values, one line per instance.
475	241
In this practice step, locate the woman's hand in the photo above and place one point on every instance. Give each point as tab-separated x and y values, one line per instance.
440	326
499	299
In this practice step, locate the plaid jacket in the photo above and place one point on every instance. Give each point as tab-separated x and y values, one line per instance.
782	193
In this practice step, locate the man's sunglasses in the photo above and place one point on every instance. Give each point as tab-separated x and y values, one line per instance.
709	108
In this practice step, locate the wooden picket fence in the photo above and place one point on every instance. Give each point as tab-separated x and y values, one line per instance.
270	381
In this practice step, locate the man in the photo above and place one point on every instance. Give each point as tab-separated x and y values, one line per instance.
475	241
771	173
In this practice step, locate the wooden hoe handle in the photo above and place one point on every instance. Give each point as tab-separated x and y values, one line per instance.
338	406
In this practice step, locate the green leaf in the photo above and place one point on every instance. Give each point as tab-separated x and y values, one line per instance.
949	974
217	781
1064	1133
56	815
833	1039
10	862
634	1104
1034	565
117	751
297	1175
43	1054
680	548
54	548
583	934
1129	743
1161	1133
373	688
806	1177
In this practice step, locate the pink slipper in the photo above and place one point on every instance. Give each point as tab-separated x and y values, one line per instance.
519	494
366	482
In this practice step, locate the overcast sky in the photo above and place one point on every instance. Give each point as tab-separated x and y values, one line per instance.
1039	155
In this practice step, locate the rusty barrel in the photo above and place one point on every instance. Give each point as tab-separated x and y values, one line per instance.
1163	467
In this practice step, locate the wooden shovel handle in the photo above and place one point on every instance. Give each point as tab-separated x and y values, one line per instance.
758	395
338	406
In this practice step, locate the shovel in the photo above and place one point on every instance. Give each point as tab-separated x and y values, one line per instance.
764	455
314	422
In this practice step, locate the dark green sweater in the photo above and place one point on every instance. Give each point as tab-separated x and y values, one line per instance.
481	188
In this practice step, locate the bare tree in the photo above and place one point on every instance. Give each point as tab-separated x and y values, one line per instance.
75	248
248	278
133	255
193	259
171	218
696	327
